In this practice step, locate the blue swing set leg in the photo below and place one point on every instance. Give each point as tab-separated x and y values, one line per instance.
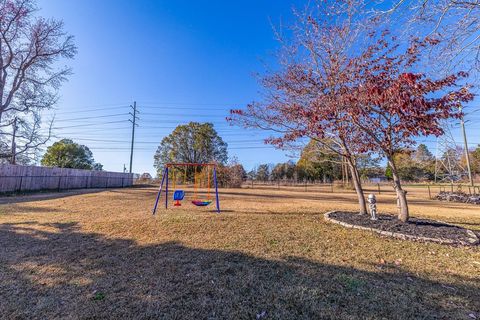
164	177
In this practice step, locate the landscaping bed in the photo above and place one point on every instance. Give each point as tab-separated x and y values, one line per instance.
414	229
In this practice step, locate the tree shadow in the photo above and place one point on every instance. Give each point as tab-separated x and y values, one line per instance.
46	195
34	209
66	273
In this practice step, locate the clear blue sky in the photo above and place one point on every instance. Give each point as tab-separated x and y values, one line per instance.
180	60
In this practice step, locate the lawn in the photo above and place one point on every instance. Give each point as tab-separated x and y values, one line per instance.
269	255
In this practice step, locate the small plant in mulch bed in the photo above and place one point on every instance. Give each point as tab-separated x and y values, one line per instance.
414	229
98	296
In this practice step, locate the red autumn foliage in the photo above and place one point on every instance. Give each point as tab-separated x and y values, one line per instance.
392	103
376	101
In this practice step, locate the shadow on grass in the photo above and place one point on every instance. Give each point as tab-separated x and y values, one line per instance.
45	195
33	209
66	273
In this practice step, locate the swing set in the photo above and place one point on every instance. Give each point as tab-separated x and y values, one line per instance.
203	176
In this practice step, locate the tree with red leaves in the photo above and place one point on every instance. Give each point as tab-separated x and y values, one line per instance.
304	98
374	101
392	103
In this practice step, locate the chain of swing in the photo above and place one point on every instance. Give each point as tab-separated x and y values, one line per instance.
199	178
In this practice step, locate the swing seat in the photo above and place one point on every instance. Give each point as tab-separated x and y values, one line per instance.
178	195
201	203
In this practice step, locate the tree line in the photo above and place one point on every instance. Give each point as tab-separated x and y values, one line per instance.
414	165
314	164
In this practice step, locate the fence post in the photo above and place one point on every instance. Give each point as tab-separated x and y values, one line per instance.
378	185
59	182
429	193
21	181
331	187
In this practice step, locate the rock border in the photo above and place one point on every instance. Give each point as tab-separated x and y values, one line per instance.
474	240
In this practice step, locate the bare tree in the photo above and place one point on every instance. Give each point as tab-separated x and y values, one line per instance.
30	46
456	23
23	143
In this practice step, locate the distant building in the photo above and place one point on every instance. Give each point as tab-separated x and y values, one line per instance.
146	176
377	179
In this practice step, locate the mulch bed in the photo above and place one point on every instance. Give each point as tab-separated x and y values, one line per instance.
414	229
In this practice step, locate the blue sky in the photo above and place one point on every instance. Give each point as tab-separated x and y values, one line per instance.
180	60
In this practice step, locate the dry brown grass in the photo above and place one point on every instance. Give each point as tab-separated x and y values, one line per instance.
102	255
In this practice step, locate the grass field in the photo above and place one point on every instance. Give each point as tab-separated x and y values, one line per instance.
269	255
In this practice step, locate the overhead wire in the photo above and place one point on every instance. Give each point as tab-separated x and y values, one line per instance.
90	124
93	117
90	110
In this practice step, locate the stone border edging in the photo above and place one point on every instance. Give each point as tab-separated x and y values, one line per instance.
474	239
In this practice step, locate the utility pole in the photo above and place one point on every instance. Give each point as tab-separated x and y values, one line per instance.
14	145
467	155
133	121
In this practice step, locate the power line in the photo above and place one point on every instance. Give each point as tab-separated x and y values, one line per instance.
96	130
472	143
91	110
95	117
149	104
157	142
90	124
147	149
177	115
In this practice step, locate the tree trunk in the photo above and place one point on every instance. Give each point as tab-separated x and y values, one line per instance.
358	185
403	215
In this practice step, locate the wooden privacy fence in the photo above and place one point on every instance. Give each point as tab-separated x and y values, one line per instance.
14	178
